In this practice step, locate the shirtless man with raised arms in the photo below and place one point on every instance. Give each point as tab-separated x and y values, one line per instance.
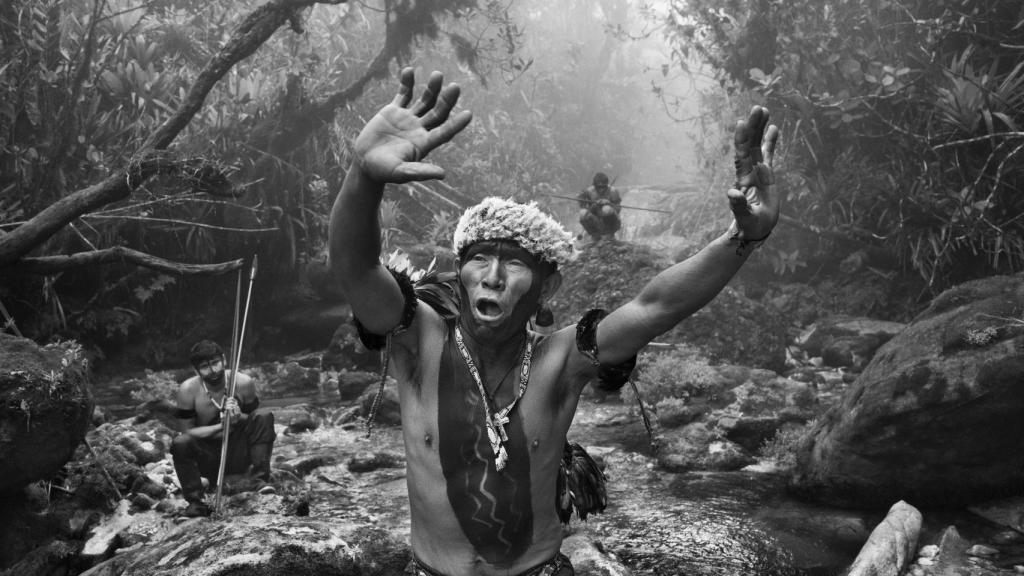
485	402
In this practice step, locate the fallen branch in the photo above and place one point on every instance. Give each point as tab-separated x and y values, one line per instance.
979	139
45	265
187	223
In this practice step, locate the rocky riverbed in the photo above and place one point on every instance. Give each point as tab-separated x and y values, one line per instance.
713	494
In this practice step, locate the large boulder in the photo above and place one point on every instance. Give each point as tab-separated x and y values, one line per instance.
606	274
46	406
847	341
935	418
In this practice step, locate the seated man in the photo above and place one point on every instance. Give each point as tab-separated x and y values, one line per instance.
200	403
486	402
600	205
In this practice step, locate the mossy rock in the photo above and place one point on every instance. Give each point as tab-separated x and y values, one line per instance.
46	406
607	274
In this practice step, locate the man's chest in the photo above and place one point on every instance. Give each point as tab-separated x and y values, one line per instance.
207	409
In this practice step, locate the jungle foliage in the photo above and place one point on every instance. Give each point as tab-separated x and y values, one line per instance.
178	131
93	95
902	120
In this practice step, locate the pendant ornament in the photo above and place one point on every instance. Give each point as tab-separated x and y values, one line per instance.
496	421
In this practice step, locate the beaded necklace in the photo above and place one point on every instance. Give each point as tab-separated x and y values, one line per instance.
220	405
496	422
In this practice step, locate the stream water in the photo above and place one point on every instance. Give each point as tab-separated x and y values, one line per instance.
707	523
657	523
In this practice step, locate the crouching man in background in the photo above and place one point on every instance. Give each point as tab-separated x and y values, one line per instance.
201	405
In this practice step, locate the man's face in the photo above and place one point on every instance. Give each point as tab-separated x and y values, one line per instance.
501	286
211	370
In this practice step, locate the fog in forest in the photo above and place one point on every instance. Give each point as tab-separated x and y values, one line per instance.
202	133
153	152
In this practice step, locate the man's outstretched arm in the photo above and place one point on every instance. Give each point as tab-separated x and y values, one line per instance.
389	149
686	287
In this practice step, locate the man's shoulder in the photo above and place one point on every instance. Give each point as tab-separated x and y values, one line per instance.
239	377
189	386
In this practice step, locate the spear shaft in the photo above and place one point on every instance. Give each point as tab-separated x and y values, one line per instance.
237	350
620	205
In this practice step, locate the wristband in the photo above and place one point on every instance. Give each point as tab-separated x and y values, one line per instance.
745	243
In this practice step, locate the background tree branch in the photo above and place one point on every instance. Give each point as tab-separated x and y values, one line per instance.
250	35
120	254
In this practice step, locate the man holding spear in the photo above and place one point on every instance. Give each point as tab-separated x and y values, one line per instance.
221	433
201	401
600	205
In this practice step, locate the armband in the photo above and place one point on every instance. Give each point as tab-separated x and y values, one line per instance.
184	413
609	378
376	341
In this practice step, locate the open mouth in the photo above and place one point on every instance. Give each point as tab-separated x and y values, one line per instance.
486	308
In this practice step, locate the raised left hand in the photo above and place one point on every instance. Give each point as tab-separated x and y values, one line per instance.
754	203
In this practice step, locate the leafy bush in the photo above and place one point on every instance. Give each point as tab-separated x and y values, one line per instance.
805	398
782	448
680	374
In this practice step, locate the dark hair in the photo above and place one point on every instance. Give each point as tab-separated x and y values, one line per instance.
600	179
204	350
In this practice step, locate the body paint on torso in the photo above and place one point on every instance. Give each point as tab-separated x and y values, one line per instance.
494	508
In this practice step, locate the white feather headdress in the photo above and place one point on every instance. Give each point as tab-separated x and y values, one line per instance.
525	224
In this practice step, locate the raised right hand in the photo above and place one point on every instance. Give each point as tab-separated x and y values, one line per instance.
394	142
754	202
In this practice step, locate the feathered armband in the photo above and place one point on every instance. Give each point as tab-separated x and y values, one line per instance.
377	341
609	378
